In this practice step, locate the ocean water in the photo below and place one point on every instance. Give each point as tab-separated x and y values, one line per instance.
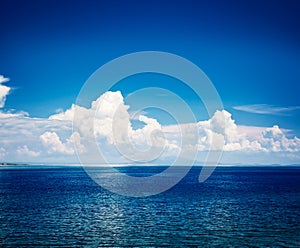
235	207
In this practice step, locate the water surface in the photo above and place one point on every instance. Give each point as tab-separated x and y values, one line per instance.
236	206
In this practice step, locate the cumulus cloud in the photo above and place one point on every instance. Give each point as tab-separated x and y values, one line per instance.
52	141
10	114
220	132
108	118
2	152
231	137
54	144
4	90
273	139
25	151
64	115
108	121
18	131
266	139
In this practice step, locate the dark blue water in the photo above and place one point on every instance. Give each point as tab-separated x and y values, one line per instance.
236	207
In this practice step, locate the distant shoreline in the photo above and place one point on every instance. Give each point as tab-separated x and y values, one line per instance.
61	165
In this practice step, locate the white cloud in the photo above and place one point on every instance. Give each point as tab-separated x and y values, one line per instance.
24	151
54	144
4	90
64	116
10	114
75	139
266	109
2	152
265	140
109	120
241	138
276	141
3	79
222	127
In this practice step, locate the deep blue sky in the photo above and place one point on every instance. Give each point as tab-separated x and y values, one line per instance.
249	49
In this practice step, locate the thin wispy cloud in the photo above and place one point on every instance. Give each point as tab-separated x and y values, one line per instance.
266	109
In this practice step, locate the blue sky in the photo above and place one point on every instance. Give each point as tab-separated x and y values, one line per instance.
249	49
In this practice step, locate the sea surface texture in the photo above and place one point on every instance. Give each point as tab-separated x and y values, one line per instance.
235	207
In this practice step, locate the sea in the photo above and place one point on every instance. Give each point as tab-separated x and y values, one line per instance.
238	206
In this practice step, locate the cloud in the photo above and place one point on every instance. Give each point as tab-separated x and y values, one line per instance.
232	137
17	131
266	109
275	140
109	120
107	110
10	114
2	152
4	90
54	145
271	139
24	151
64	116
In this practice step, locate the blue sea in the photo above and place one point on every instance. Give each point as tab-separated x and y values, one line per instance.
236	207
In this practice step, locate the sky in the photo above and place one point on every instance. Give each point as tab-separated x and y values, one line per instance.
250	50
